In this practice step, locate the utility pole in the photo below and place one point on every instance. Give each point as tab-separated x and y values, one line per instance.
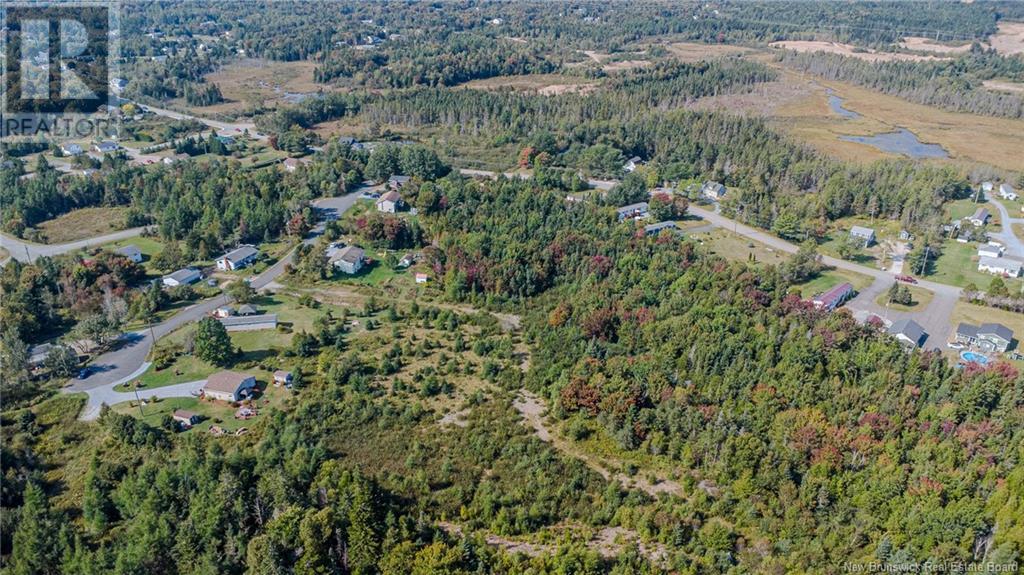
927	251
136	388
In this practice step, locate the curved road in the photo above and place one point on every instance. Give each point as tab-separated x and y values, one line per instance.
25	251
1014	245
128	360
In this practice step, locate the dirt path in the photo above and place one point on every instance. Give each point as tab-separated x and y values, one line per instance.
532	410
609	542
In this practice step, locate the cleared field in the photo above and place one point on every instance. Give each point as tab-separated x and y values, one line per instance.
736	247
831	278
545	84
694	52
616	62
1009	39
1003	86
929	45
257	82
967	137
83	223
849	50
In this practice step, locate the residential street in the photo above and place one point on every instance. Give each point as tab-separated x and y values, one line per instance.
24	251
128	361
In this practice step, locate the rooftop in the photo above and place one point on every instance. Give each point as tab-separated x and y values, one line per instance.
240	253
226	381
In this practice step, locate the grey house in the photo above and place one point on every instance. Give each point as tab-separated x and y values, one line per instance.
908	332
865	235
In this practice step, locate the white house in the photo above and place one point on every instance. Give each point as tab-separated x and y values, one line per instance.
348	259
105	147
183	276
390	202
229	386
292	164
990	250
908	332
117	85
632	164
422	278
1007	193
131	252
1000	266
174	159
986	187
71	149
864	235
713	191
979	217
237	258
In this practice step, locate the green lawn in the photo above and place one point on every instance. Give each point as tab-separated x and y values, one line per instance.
150	248
212	412
184	369
920	298
831	278
958	265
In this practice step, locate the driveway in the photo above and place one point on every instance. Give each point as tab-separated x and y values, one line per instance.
25	251
1014	245
935	319
107	395
128	360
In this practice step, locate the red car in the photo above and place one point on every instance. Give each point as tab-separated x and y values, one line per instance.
906	279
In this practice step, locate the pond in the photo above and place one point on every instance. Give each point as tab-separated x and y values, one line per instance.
902	141
836	103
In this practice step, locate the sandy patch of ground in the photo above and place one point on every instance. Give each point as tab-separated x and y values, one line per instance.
609	542
848	50
1009	39
532	409
544	84
927	45
1004	86
624	65
694	52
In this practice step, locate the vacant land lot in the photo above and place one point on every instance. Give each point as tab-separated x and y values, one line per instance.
256	82
929	45
695	52
83	223
848	50
546	84
831	278
967	137
1004	86
1009	39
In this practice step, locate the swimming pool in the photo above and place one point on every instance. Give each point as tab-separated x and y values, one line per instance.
975	357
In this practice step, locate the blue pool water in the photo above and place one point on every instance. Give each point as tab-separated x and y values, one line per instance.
975	357
903	142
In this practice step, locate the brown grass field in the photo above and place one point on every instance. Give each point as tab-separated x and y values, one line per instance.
254	81
968	138
1009	39
544	84
1003	86
694	52
83	223
929	45
848	50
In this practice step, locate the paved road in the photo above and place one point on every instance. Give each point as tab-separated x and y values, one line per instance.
107	395
128	360
1014	245
223	128
24	251
935	319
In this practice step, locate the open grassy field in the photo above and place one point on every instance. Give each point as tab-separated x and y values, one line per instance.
831	278
736	247
83	223
958	265
1009	38
545	84
850	51
968	138
920	298
695	52
212	412
919	44
256	82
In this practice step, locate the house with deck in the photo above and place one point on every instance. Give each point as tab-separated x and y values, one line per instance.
348	259
229	386
979	217
988	337
865	236
1000	266
713	191
131	252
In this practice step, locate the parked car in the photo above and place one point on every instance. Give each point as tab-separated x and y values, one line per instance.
906	279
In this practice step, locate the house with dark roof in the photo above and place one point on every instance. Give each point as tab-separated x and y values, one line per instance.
633	211
237	258
979	217
908	332
655	229
834	297
398	182
131	252
713	191
184	418
105	147
988	337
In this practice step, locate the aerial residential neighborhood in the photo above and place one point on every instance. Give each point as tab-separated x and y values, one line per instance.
342	287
